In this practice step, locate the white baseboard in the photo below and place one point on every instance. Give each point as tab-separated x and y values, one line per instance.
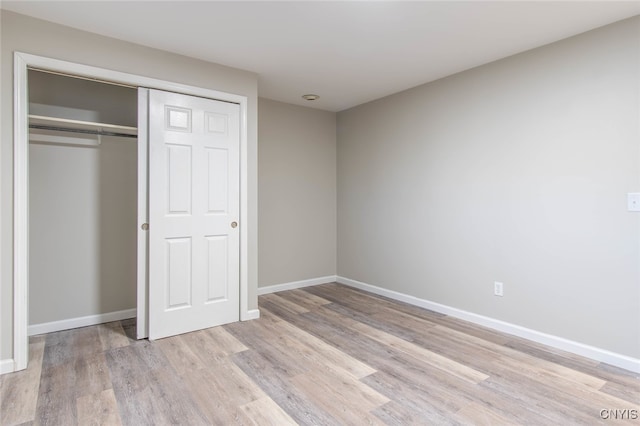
592	352
49	327
296	284
7	366
251	314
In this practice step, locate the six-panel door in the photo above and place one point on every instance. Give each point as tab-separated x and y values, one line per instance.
194	181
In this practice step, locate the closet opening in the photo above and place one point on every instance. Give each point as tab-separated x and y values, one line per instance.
85	103
83	195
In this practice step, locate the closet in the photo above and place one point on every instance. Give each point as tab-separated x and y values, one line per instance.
82	201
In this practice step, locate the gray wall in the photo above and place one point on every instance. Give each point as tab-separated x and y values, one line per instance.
21	33
297	187
82	204
79	99
516	171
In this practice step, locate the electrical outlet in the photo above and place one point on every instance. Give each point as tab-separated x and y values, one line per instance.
498	289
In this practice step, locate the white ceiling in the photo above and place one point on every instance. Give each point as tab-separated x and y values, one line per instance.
346	52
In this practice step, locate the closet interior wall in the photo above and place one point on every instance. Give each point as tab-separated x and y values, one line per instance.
82	202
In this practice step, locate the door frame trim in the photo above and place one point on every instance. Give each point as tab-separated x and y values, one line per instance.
22	61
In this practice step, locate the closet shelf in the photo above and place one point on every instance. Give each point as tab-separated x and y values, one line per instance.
80	125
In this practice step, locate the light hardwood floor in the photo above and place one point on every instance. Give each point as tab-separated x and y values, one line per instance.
327	355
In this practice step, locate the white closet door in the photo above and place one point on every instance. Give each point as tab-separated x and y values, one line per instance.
194	207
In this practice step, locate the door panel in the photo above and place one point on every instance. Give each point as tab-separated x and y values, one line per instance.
179	179
178	280
217	249
218	170
193	199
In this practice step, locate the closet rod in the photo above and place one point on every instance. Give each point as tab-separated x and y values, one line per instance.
85	131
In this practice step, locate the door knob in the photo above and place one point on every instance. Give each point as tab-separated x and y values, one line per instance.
145	226
234	224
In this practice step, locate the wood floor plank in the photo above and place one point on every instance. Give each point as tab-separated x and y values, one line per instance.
474	330
518	367
535	367
516	377
19	391
285	303
91	374
268	316
226	341
422	392
130	361
620	383
385	360
203	346
179	354
69	374
256	335
67	345
554	355
304	299
425	355
557	407
345	398
132	375
398	414
403	369
278	387
338	332
170	400
616	374
418	352
328	355
344	296
57	396
209	345
220	390
265	411
333	329
234	382
129	327
317	352
98	409
480	415
434	396
629	392
505	357
397	323
488	357
155	396
368	302
112	335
